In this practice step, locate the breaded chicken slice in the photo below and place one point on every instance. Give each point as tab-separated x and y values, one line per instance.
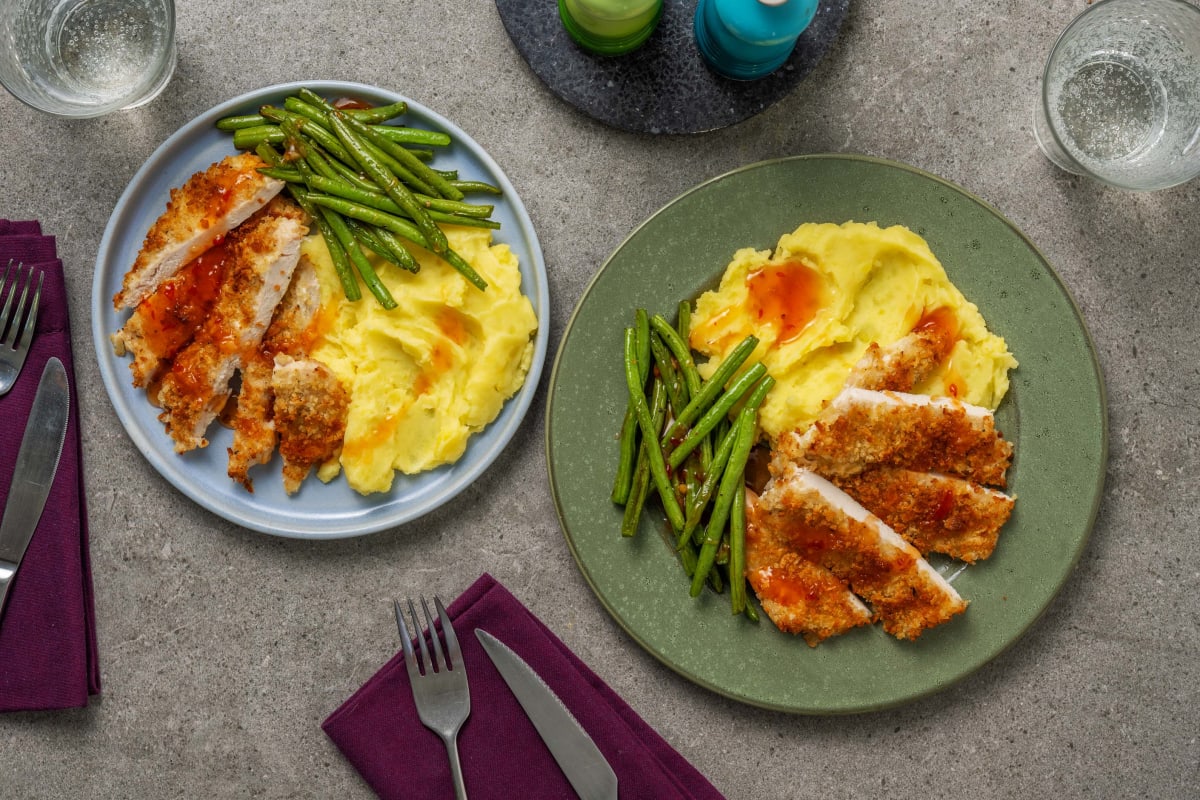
933	512
209	205
860	429
292	331
797	595
824	525
262	256
167	320
311	406
905	363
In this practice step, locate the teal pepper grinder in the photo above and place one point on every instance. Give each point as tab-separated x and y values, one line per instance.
610	27
749	39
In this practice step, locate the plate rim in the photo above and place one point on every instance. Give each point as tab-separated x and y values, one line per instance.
366	523
1097	487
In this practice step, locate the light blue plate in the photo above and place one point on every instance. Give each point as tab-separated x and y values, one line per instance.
317	511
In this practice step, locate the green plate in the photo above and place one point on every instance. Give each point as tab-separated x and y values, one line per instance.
1055	414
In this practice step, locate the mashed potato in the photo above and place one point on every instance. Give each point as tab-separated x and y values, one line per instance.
822	297
426	375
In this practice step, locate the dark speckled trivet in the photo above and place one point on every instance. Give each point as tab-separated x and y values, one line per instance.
665	86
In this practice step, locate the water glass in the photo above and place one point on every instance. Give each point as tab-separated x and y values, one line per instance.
86	58
1120	98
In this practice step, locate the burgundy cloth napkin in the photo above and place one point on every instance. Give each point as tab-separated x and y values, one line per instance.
378	730
48	656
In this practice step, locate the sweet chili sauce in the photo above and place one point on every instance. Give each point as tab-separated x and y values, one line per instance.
944	325
172	315
784	297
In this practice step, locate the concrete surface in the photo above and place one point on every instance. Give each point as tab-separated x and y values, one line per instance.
222	650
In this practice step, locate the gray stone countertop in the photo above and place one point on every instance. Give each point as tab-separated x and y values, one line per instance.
222	650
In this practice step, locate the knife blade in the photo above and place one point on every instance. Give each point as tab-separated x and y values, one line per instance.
33	475
574	751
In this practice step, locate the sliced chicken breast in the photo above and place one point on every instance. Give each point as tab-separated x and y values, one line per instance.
904	364
933	512
861	428
262	256
167	320
310	416
291	332
824	525
797	595
209	205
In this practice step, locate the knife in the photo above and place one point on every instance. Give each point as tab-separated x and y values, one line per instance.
576	753
37	461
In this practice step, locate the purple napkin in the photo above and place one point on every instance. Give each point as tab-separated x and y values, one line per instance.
378	730
48	655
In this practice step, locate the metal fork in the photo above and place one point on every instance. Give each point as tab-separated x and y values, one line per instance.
441	693
15	337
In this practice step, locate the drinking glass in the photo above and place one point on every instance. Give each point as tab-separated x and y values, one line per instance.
86	58
1120	98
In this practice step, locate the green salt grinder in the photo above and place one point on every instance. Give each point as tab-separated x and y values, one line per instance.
610	27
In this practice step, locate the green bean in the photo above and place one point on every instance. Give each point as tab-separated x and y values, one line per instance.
365	271
737	551
390	185
683	320
353	177
658	468
405	259
712	388
734	474
367	235
377	114
402	135
676	391
716	469
402	227
641	329
371	115
311	112
441	186
241	121
683	353
640	483
269	154
311	128
716	412
286	174
450	210
623	483
639	488
473	187
249	138
337	254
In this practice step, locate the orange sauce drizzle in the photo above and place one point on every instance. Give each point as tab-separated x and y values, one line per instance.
176	310
784	297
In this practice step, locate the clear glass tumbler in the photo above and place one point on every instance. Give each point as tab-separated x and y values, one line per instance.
1120	98
86	58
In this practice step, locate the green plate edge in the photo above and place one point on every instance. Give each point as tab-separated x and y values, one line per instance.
1056	413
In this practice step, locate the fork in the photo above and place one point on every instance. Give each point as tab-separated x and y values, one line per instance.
15	337
441	692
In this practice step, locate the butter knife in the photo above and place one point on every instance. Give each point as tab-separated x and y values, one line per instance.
37	461
574	751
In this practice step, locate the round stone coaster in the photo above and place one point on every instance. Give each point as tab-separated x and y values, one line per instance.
664	86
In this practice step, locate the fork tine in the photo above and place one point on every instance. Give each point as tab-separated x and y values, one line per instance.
12	291
425	663
439	657
26	335
454	659
406	643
